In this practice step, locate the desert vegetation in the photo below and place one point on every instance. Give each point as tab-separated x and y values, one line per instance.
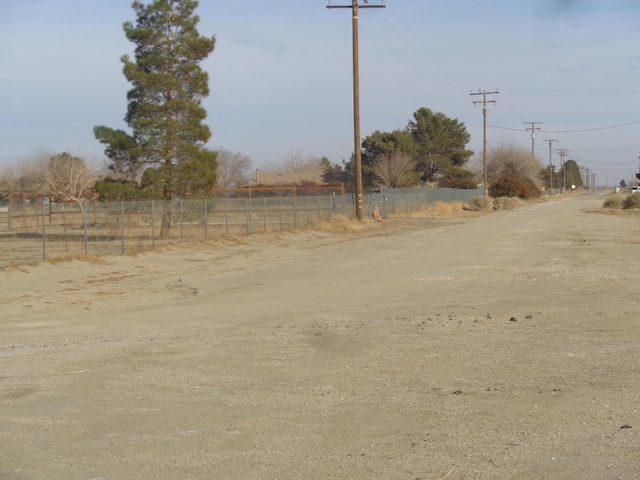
480	203
618	201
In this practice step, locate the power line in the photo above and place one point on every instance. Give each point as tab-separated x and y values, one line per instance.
609	149
592	129
570	131
461	77
409	63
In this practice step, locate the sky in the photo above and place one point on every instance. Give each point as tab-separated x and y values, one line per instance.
281	76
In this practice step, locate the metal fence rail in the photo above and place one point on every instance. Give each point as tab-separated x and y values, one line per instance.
33	231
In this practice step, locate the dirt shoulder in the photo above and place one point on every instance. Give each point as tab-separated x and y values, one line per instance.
495	346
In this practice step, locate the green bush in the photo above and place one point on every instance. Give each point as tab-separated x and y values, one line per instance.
513	185
505	203
457	177
111	190
481	202
614	201
632	201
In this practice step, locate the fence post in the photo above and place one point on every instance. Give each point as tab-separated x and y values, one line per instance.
83	207
384	205
64	231
181	222
226	216
206	236
44	236
264	210
153	224
24	209
280	202
122	224
295	210
248	216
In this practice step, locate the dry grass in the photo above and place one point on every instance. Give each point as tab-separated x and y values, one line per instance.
445	209
617	212
435	210
480	203
24	267
93	259
506	203
340	223
614	201
18	268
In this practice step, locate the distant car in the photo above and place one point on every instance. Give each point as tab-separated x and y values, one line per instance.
635	189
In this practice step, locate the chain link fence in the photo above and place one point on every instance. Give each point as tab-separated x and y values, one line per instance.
31	231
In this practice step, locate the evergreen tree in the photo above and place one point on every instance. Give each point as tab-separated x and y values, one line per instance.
382	146
164	111
440	142
435	142
572	174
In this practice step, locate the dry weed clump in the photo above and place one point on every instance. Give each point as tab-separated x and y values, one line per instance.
93	259
438	209
505	203
340	223
614	201
632	201
480	203
444	209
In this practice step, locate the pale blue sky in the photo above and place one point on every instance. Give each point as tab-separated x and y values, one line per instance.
280	76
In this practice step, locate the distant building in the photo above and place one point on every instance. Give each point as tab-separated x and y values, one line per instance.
319	179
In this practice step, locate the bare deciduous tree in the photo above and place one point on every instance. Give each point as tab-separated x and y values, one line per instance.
27	175
295	162
62	175
71	177
395	170
234	169
510	159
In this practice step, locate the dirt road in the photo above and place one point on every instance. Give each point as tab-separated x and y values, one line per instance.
501	346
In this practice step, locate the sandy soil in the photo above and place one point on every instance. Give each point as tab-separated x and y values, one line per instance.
502	346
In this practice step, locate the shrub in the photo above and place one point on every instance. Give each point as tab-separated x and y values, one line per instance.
511	184
481	202
111	190
632	201
457	177
505	203
614	201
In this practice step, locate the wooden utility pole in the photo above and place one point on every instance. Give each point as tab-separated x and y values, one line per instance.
550	166
533	131
563	176
356	100
484	102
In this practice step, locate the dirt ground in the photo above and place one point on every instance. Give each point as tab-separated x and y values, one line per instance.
499	346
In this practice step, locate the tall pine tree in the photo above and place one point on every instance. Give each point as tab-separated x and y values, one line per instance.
165	110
